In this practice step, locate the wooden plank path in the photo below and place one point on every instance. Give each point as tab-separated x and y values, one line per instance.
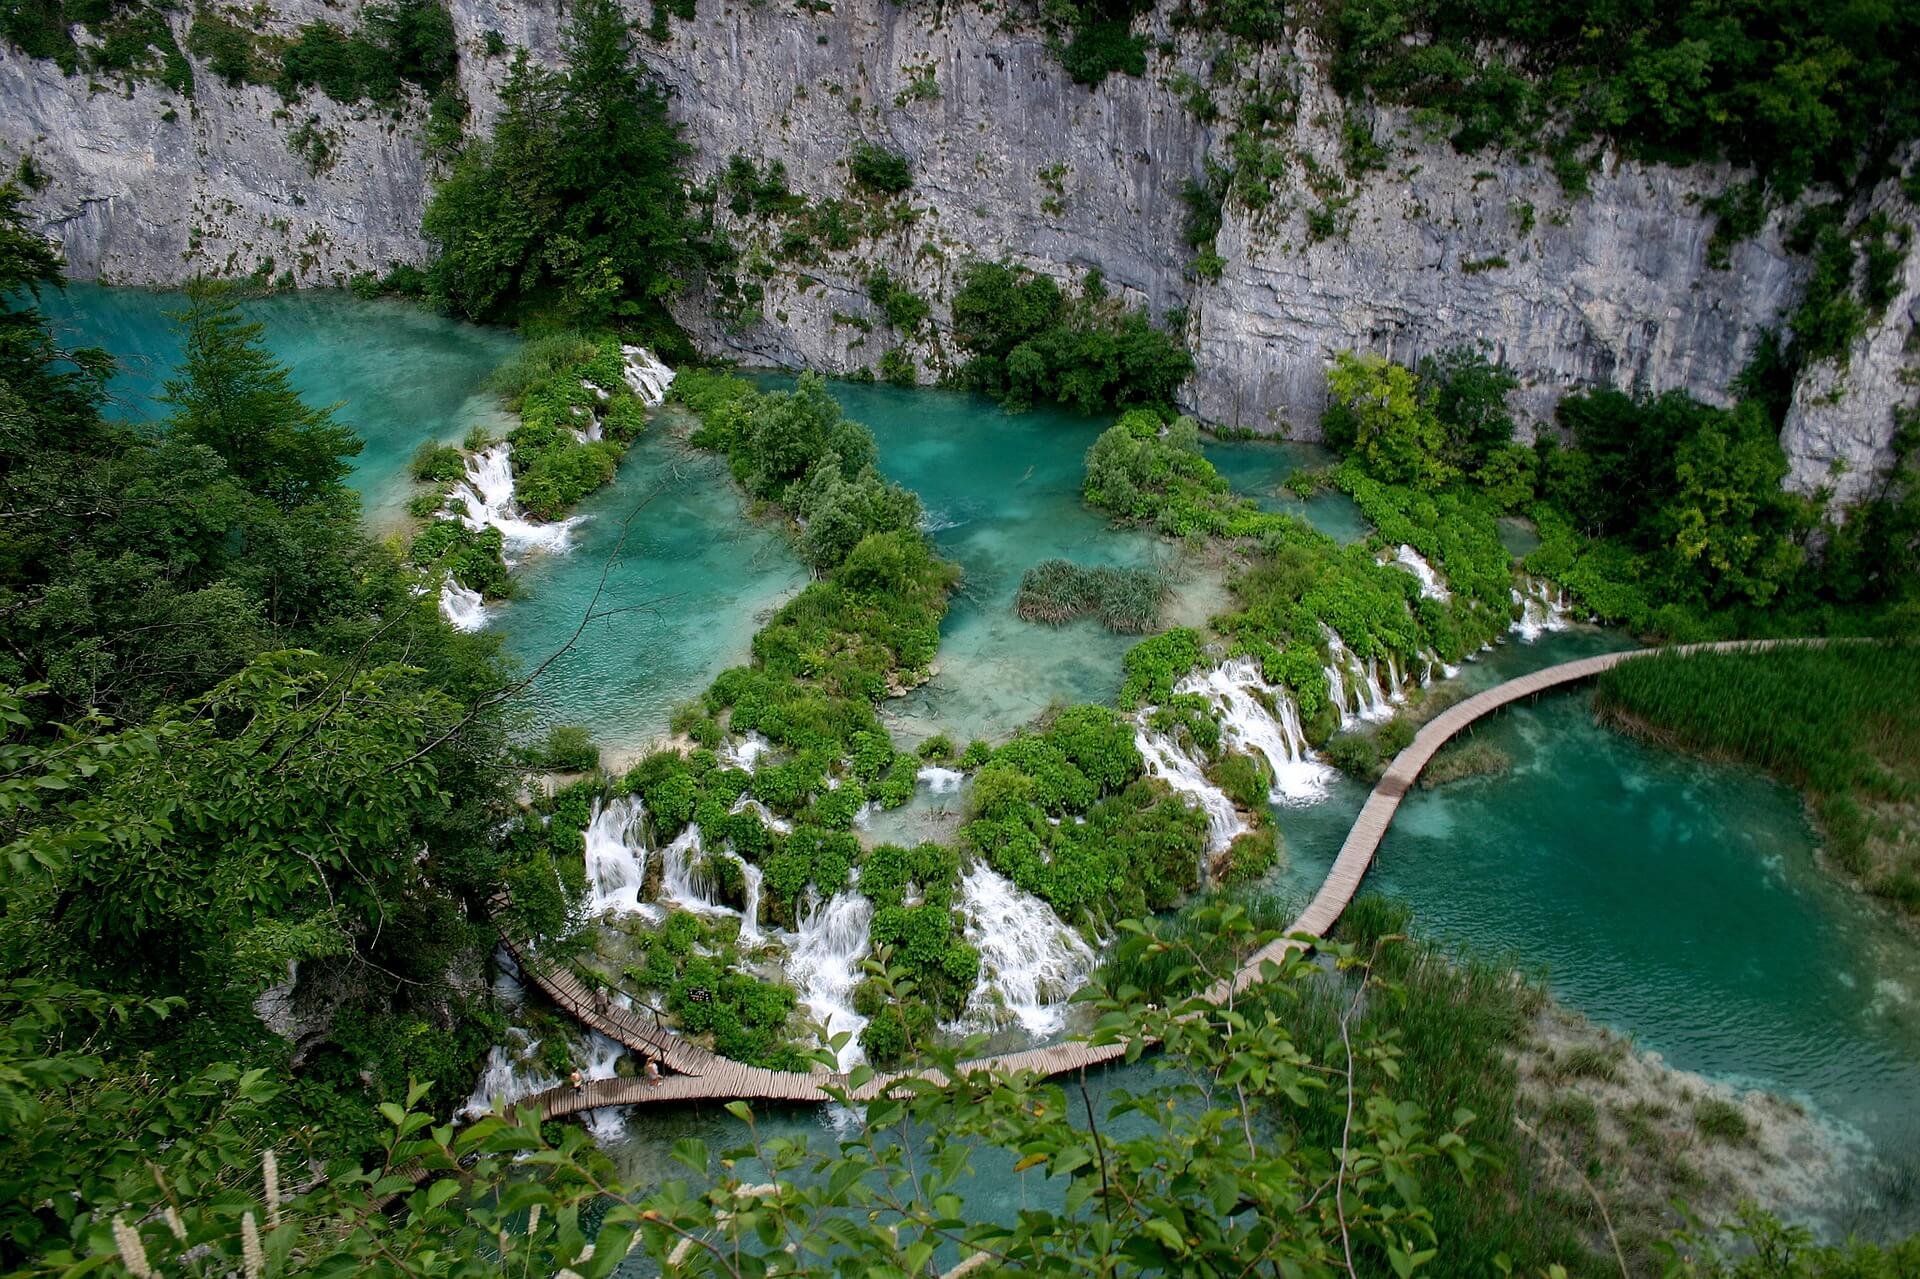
699	1075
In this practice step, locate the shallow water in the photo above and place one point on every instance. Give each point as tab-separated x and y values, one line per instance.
399	373
1256	469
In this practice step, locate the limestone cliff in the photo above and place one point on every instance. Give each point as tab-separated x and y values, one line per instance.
1011	159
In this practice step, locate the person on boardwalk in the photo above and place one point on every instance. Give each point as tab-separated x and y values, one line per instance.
578	1080
653	1073
600	1000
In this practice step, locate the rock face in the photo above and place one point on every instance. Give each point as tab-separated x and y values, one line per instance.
1011	159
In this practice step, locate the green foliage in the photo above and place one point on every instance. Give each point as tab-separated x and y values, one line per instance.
1139	470
232	398
409	42
897	368
562	384
1800	94
709	994
1030	343
880	169
1126	600
568	748
472	556
905	309
1837	721
437	463
1376	412
1104	47
576	203
1153	666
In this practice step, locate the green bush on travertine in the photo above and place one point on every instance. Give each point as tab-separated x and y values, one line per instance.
880	169
472	556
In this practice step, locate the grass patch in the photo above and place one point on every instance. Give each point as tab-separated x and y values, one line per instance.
1126	600
1466	759
1722	1121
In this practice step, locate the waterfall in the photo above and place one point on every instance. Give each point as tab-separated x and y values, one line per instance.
1356	688
616	862
1172	765
512	1072
746	753
685	882
768	818
647	376
1298	777
824	963
606	1124
941	781
485	499
1431	587
463	609
1030	962
1543	608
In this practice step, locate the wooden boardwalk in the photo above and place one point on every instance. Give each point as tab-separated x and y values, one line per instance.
699	1075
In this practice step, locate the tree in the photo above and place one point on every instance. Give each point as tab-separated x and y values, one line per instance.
1468	394
577	203
233	397
1378	413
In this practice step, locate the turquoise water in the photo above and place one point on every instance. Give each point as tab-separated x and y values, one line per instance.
399	373
684	579
1671	898
1256	469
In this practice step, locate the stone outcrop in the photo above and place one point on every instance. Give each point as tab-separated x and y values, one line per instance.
1011	160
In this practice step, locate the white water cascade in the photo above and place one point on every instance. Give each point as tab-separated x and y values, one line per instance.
1235	689
685	882
485	499
646	375
1030	962
606	1124
1431	587
1355	688
1166	760
768	818
940	781
1543	608
824	963
464	610
616	859
744	753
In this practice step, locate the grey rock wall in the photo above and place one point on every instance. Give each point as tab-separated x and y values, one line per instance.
1011	160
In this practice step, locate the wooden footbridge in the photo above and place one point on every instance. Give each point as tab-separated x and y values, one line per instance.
691	1073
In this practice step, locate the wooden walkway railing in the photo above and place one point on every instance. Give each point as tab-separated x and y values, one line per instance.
699	1075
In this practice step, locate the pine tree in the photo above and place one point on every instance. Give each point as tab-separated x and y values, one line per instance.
234	397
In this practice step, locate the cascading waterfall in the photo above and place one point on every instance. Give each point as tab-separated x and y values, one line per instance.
1030	962
744	753
606	1124
464	610
1431	587
485	499
646	376
1298	777
824	963
1355	688
616	860
1166	760
685	882
768	818
940	781
1543	608
512	1072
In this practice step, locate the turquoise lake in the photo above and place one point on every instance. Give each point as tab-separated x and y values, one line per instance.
1676	900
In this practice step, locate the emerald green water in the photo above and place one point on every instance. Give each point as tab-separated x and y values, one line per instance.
1256	469
1671	898
399	373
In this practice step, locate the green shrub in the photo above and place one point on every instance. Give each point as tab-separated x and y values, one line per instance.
1152	666
435	463
568	748
880	169
1126	600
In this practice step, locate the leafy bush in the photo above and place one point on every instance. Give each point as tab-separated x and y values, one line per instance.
568	748
877	168
1030	343
472	556
435	463
1152	666
1103	48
